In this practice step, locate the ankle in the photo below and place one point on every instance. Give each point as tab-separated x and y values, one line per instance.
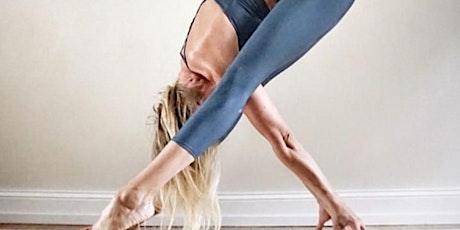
131	197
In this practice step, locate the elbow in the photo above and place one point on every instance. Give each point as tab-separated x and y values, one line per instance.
286	148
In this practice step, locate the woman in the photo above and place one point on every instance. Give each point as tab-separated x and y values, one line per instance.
233	48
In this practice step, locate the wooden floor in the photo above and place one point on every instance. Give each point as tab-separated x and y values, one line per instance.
67	227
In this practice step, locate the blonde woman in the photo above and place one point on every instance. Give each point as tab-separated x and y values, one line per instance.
233	49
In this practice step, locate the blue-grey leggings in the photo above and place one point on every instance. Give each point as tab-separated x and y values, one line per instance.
285	35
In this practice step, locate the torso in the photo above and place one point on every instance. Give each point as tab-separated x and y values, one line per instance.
212	43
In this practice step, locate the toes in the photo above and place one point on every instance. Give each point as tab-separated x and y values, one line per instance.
135	227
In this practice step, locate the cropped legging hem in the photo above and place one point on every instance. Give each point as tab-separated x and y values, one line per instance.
188	148
284	36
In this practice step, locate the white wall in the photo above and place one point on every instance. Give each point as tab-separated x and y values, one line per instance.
376	102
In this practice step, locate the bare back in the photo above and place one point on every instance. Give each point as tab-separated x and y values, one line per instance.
212	43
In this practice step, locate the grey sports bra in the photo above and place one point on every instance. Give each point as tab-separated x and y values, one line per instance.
245	16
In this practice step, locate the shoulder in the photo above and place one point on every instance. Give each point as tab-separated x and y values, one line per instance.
200	63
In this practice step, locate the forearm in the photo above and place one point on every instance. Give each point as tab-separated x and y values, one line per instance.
264	116
301	163
305	167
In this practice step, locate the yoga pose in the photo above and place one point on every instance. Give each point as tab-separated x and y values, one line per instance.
233	49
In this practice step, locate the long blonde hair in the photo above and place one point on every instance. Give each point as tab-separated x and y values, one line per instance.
193	191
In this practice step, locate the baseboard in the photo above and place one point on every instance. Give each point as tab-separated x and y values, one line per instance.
375	207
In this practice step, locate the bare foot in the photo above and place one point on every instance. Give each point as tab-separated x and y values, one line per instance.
134	227
125	211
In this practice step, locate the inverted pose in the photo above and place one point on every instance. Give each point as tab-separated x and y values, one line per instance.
232	50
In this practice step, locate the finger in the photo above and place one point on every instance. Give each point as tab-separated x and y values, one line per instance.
320	224
352	225
337	227
136	226
322	220
356	225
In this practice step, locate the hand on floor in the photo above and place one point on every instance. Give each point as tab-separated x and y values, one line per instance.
344	219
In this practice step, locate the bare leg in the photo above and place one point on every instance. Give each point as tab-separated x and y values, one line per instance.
133	203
